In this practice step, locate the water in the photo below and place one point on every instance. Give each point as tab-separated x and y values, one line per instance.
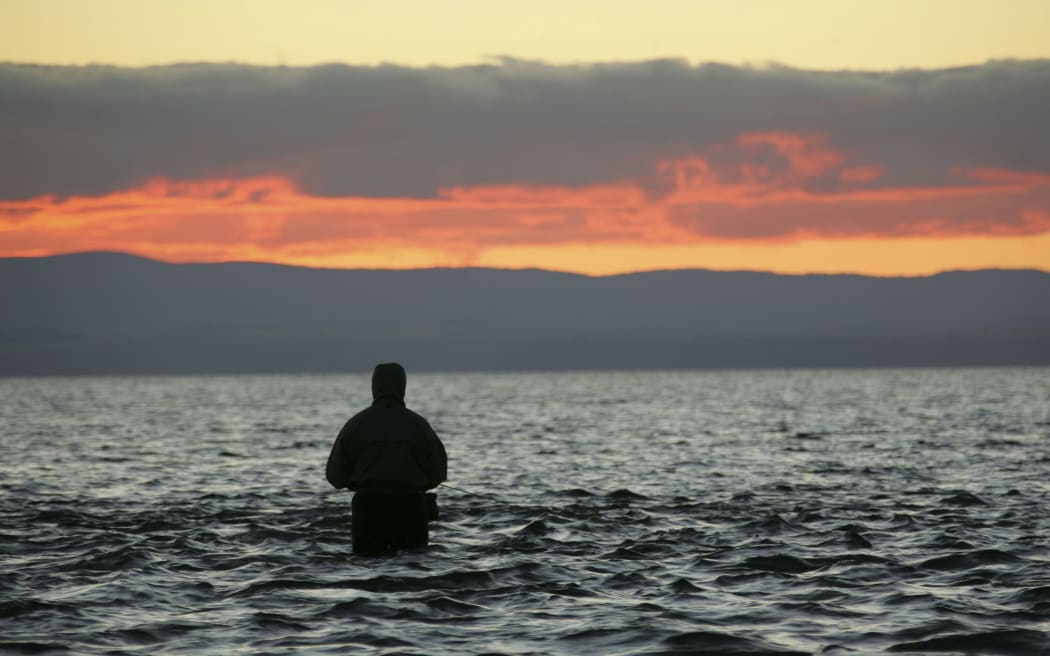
833	512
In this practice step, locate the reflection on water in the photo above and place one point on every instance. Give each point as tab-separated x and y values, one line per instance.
609	513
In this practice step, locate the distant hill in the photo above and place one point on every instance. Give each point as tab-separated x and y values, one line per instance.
114	313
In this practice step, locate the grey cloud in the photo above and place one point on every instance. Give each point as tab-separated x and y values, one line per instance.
389	130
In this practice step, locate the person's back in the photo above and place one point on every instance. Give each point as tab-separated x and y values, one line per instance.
389	456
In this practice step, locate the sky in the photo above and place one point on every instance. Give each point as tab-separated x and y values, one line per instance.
890	138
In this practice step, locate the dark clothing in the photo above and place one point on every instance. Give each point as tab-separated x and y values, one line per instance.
387	448
389	380
390	456
382	523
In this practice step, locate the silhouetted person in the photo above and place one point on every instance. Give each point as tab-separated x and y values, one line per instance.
389	456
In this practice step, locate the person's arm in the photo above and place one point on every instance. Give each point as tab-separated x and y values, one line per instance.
337	471
439	460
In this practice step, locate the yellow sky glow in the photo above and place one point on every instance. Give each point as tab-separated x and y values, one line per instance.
820	34
884	257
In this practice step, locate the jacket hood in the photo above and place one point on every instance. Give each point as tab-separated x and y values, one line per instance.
388	380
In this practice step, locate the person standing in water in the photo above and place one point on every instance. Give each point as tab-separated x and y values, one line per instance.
389	456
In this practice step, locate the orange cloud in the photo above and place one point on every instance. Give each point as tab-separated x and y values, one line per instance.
762	189
807	156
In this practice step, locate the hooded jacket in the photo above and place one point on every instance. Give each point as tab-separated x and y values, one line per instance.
387	448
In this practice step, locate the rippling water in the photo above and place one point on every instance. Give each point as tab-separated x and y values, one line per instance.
836	512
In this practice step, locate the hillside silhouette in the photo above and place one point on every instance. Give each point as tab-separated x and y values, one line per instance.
115	313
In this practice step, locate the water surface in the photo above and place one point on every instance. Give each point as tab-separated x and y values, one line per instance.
733	512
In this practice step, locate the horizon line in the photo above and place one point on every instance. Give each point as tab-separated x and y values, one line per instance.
629	272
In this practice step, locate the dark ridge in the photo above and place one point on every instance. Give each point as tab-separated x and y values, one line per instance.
112	313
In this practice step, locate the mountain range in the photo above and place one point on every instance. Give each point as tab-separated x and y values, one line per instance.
112	313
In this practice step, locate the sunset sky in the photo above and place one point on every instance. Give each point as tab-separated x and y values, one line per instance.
889	138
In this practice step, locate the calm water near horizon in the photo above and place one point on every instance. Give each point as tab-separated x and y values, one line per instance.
724	512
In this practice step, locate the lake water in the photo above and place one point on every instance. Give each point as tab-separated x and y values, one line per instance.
723	512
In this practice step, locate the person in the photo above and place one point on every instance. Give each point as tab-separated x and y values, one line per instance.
389	456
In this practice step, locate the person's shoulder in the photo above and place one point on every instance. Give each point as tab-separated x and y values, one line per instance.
418	418
356	419
414	415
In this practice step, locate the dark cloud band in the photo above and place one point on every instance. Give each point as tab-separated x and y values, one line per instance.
396	131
